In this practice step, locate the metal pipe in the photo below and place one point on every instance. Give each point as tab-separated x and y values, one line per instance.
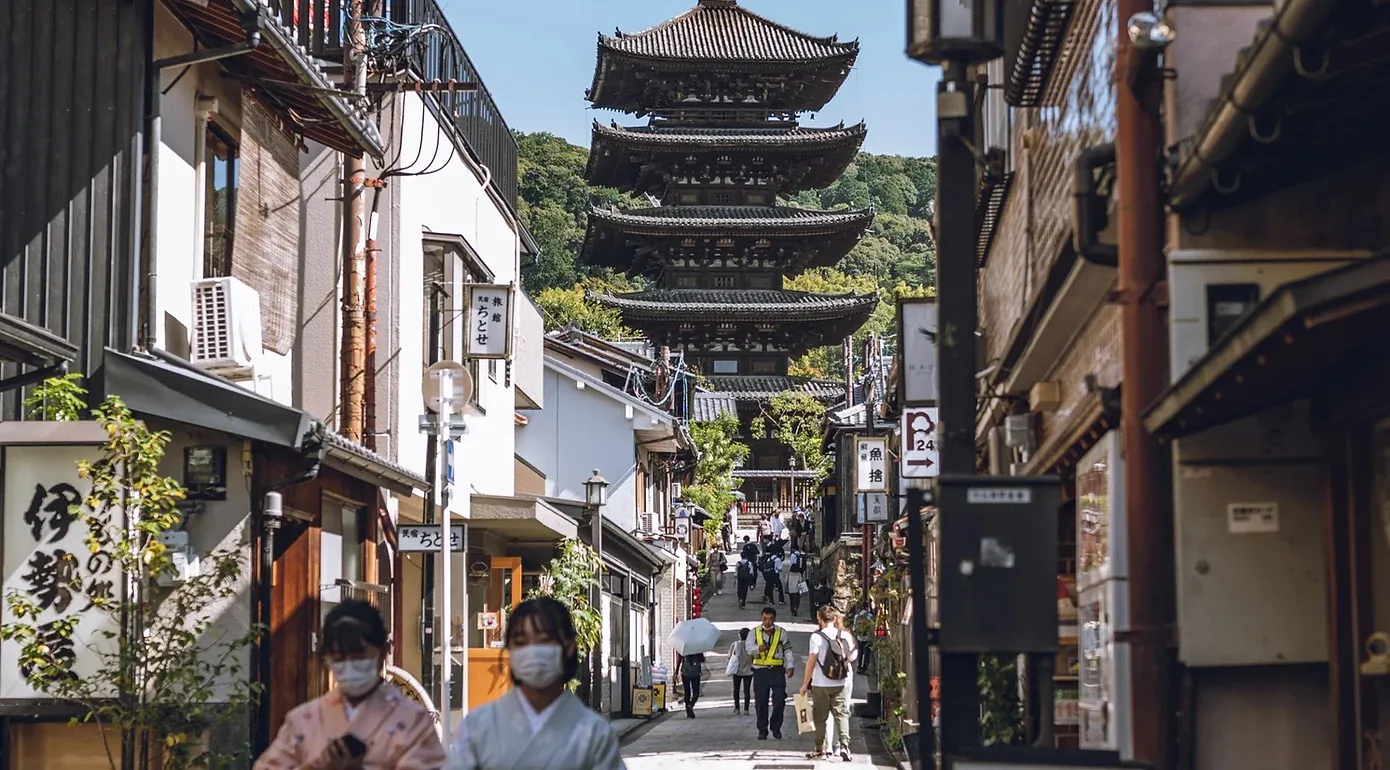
369	357
1269	60
33	378
252	42
353	182
1138	146
1088	209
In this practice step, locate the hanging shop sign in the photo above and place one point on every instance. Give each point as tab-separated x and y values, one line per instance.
917	331
420	538
871	454
489	315
920	457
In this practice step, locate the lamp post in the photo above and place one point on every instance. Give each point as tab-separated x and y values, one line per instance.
791	483
594	490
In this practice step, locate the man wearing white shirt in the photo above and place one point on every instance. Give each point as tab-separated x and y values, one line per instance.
829	666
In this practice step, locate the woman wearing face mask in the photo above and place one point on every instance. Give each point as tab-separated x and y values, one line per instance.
538	724
364	722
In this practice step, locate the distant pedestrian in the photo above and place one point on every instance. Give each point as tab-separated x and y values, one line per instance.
745	573
796	578
749	549
823	594
726	533
829	666
770	565
717	565
741	664
773	665
692	667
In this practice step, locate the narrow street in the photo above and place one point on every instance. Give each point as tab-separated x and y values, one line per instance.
716	737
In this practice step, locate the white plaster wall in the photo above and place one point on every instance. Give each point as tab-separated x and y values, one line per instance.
452	200
576	432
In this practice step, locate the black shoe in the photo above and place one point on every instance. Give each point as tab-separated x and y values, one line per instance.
762	736
777	734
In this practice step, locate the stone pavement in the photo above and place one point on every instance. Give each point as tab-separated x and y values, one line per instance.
716	738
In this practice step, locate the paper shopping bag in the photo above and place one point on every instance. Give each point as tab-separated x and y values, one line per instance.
803	715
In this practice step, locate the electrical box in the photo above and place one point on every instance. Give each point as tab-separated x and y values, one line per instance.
998	568
186	563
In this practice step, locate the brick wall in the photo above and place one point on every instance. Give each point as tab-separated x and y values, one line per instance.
1095	350
1035	225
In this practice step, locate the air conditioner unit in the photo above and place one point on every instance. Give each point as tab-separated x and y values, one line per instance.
676	490
226	327
648	522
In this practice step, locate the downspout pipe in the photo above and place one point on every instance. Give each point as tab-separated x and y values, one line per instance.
1271	58
1089	208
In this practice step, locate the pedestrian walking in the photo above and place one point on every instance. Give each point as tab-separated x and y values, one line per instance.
862	651
829	665
773	665
726	533
746	573
717	565
364	721
537	723
749	549
823	594
795	565
741	669
770	564
692	668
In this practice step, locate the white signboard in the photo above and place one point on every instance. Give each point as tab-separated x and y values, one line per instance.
875	507
46	561
683	529
872	455
917	330
1252	518
921	458
420	538
489	316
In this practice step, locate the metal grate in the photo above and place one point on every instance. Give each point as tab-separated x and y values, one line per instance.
212	326
1048	21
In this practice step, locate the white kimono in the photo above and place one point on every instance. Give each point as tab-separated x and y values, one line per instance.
508	734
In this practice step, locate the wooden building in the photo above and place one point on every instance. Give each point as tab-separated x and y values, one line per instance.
722	89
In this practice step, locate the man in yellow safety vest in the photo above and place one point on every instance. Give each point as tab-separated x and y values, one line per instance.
772	667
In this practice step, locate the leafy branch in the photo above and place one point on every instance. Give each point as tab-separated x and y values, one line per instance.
720	452
569	579
796	420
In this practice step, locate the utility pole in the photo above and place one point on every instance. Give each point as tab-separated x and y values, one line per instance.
1143	338
958	317
354	352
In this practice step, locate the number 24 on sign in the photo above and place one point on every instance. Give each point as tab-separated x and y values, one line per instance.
921	459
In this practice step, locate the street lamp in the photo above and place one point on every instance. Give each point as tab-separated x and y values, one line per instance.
960	31
791	483
594	489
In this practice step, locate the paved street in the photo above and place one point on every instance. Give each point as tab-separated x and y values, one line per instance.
718	738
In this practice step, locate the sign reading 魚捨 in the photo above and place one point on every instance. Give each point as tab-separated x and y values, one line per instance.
871	455
46	561
489	318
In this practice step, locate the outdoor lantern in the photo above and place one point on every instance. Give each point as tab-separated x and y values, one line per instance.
1148	30
593	489
959	31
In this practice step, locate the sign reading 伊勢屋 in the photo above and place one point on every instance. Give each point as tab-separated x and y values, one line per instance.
871	462
45	560
489	318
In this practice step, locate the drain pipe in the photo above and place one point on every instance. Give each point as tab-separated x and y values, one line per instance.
144	334
1089	207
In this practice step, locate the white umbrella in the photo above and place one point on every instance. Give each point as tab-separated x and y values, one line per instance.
694	636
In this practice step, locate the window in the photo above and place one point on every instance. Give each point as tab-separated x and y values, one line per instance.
445	275
760	282
726	366
219	202
765	366
340	550
688	199
755	199
723	198
492	369
724	281
687	282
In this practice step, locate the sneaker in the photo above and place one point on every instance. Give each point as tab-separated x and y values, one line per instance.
844	756
777	734
736	711
762	736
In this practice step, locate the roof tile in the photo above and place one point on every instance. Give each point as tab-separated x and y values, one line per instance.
692	218
723	31
791	137
738	301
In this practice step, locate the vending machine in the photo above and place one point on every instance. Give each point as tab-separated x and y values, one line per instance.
1104	696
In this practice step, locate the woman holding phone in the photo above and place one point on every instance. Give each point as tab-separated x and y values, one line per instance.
364	722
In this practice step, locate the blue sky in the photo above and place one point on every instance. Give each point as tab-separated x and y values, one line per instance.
537	57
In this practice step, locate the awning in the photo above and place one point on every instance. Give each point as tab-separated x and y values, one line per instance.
25	343
1281	350
520	518
357	461
176	390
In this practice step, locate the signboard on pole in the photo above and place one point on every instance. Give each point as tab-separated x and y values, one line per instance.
875	507
489	318
921	459
872	464
917	345
421	538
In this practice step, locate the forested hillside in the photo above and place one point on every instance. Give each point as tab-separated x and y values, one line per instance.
897	257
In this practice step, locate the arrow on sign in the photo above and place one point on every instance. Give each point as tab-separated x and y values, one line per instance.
920	456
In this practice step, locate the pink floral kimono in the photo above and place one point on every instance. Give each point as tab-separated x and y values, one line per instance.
399	733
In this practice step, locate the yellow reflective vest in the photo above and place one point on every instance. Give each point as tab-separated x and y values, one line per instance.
768	658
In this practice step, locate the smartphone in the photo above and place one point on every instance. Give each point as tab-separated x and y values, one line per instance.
355	746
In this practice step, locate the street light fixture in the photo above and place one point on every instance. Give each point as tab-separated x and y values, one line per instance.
960	31
1148	30
594	491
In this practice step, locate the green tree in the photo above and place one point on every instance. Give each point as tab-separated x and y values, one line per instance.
797	421
569	578
720	450
566	308
169	676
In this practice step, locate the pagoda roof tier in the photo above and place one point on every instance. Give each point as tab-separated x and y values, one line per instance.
770	237
647	159
762	388
792	321
722	37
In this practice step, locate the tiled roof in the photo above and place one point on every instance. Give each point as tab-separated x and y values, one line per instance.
720	30
733	304
734	138
726	218
708	406
762	388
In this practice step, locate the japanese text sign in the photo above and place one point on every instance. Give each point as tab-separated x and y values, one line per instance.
921	459
46	561
873	507
424	538
489	318
872	464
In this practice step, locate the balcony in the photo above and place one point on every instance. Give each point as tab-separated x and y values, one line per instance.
319	27
375	595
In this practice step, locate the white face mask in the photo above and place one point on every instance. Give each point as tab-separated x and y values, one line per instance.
537	665
356	677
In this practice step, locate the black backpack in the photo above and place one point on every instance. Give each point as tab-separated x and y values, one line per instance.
690	667
834	657
765	563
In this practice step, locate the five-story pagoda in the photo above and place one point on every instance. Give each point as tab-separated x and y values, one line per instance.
722	89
